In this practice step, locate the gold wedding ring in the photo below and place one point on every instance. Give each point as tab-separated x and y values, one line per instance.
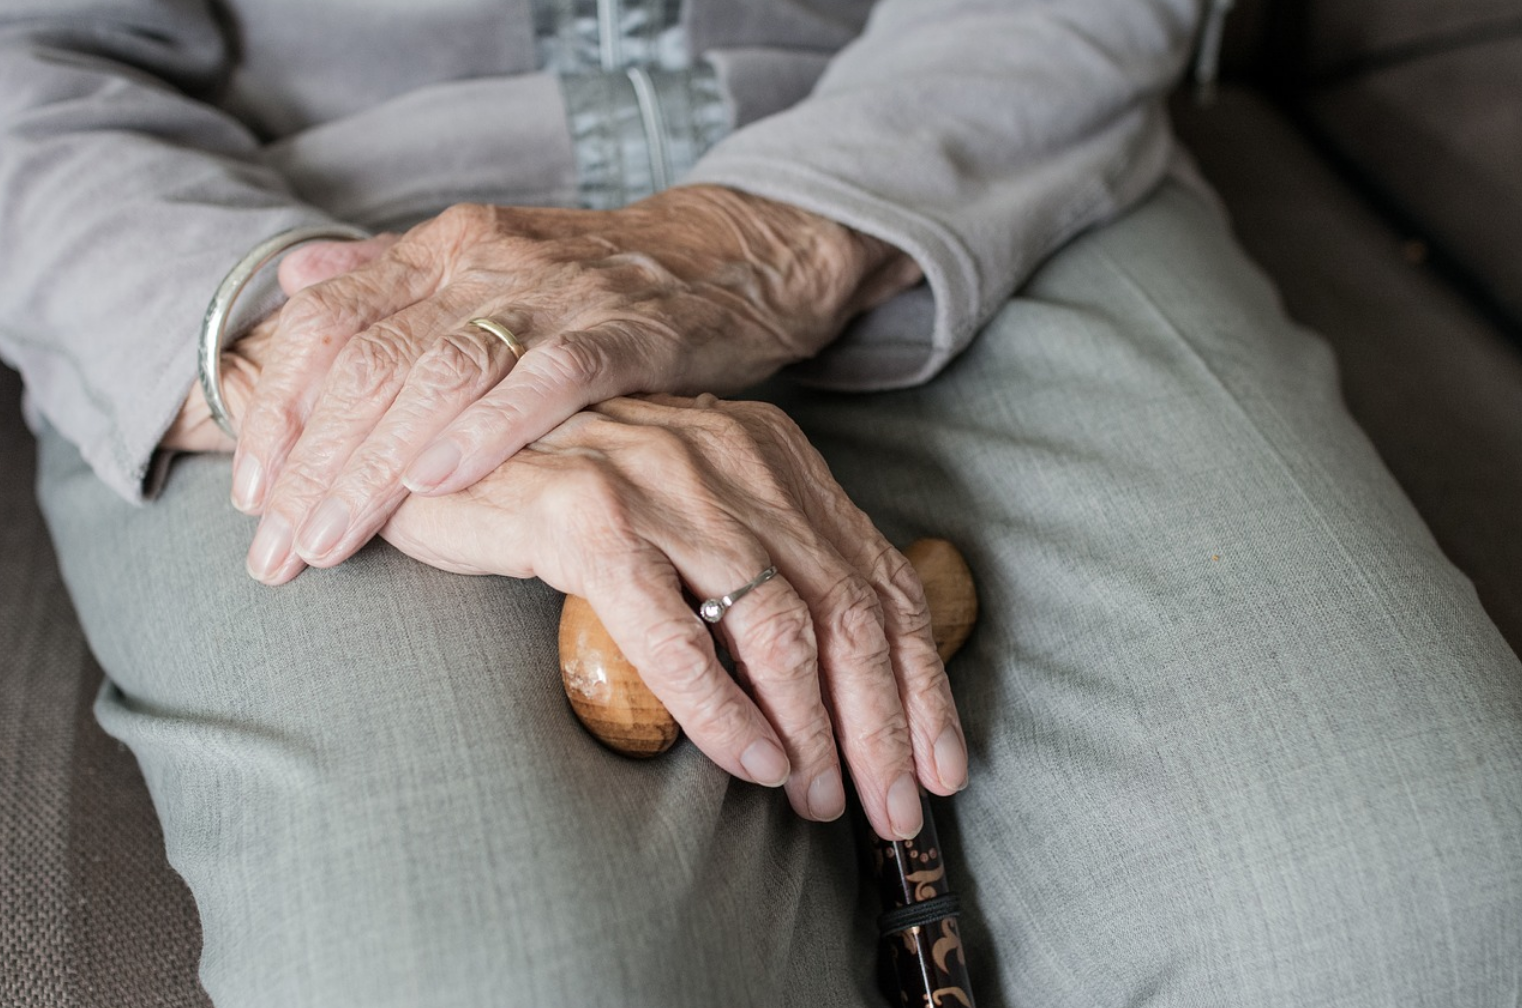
502	333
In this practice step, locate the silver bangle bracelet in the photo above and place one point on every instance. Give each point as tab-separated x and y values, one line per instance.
214	323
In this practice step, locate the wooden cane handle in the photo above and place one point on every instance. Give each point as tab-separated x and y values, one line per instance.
616	706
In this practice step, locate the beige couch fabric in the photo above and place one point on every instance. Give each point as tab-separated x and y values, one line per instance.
92	915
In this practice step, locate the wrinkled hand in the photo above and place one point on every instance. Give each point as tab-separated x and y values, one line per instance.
193	429
375	384
630	502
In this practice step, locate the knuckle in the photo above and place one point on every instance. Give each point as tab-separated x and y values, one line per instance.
577	362
676	647
592	499
725	434
455	363
634	270
793	667
887	739
764	415
306	309
898	575
580	484
419	249
489	420
374	471
817	742
729	433
758	444
856	615
371	362
679	658
903	592
298	484
467	218
319	308
783	638
809	741
930	706
271	424
661	450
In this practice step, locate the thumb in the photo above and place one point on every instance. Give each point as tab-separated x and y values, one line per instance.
317	261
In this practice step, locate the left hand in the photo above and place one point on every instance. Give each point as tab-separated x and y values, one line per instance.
193	429
375	385
632	501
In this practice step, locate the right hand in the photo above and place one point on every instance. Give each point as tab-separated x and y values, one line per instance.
632	502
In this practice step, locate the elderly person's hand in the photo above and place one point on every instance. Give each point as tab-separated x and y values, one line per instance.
375	384
193	429
635	500
632	501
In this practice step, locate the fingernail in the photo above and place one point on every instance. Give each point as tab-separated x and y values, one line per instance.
951	759
248	483
904	814
271	546
321	532
433	467
765	763
827	796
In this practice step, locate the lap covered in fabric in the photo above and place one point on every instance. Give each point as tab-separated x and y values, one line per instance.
1240	733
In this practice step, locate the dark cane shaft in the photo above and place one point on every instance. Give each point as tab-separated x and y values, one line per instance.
922	962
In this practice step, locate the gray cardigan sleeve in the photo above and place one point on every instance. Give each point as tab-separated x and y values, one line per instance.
126	195
123	201
977	136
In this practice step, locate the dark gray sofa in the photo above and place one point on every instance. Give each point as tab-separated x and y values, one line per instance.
1368	150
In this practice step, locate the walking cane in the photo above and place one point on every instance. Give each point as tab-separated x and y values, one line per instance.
921	961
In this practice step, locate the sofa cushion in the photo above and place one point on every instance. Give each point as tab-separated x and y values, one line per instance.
92	913
1421	102
1339	35
1440	138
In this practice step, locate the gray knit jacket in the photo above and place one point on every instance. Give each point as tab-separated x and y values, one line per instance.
146	145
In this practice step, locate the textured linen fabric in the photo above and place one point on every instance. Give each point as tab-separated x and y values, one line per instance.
146	145
1240	734
1424	371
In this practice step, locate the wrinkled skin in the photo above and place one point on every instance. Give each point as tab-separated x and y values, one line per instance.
630	501
377	386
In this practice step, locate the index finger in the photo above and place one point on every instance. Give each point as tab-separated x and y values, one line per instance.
553	380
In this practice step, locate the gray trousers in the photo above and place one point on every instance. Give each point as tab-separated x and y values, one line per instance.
1240	734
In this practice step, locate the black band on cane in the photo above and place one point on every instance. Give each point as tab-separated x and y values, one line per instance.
919	914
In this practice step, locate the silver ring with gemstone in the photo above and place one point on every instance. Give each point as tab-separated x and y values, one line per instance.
712	610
